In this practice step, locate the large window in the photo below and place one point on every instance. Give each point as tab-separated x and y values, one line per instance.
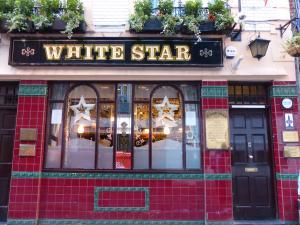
123	126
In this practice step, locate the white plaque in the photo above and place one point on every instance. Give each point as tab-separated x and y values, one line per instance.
190	119
56	116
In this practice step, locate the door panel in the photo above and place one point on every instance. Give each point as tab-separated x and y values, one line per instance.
252	181
7	130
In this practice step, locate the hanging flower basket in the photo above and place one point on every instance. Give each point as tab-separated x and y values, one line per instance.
292	46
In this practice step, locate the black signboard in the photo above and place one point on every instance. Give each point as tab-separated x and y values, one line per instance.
116	52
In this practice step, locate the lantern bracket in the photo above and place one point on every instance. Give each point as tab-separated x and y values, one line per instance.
294	21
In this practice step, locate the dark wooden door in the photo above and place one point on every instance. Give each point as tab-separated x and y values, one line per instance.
253	196
7	131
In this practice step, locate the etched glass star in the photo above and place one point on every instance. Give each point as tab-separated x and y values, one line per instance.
82	110
166	111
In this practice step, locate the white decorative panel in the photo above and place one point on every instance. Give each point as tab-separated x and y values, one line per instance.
260	16
111	15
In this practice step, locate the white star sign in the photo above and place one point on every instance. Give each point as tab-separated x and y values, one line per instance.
166	113
82	110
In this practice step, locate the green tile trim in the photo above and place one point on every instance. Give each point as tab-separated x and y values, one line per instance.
21	222
26	174
133	176
32	90
218	176
98	208
219	222
283	91
286	176
214	92
290	222
106	222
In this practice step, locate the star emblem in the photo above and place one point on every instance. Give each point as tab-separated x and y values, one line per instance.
166	113
82	110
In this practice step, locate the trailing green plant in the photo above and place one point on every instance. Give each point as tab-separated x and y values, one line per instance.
73	15
192	8
6	6
224	21
192	17
165	7
19	19
169	21
48	10
217	7
220	14
142	13
292	46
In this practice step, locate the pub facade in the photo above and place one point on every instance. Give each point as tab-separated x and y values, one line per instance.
113	126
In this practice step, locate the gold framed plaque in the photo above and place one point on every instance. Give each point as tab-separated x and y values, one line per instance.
27	150
291	151
217	129
28	134
290	136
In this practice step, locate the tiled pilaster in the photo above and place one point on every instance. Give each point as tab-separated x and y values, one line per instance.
286	168
31	113
218	204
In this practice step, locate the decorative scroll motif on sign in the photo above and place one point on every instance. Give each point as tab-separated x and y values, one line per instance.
28	51
206	53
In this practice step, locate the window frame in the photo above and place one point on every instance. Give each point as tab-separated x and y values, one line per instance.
158	84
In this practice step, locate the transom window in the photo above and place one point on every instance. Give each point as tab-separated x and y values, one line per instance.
247	94
123	126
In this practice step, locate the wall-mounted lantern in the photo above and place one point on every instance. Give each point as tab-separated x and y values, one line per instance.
259	47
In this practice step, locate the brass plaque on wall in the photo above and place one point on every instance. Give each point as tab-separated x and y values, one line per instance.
28	134
217	129
27	150
291	151
290	136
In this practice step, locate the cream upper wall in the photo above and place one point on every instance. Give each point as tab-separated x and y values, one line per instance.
276	65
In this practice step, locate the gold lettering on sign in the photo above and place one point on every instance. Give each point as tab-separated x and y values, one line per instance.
182	53
88	52
117	52
152	51
101	51
53	51
137	53
217	129
74	51
166	54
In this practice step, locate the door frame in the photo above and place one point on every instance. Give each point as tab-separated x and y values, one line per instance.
271	150
15	108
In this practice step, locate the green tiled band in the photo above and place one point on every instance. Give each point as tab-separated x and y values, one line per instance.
32	90
283	91
133	176
286	176
220	176
106	222
214	92
219	223
98	208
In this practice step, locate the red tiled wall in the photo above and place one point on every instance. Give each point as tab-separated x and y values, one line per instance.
169	199
286	189
218	192
59	198
24	194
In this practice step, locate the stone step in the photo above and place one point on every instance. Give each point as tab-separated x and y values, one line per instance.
261	222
